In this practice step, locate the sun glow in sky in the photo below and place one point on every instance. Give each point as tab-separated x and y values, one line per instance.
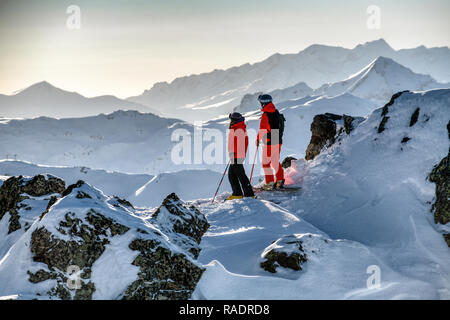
124	47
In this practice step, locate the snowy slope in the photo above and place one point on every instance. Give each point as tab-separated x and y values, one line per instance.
188	184
370	197
380	80
126	141
113	183
218	92
299	114
141	143
43	99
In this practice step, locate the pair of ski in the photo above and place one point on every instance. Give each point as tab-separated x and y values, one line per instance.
284	189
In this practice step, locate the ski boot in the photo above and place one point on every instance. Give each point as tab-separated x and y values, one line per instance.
234	197
279	184
268	186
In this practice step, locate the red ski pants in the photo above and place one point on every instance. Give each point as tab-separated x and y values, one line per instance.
271	163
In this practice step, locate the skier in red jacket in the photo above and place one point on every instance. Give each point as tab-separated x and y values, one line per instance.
237	149
269	134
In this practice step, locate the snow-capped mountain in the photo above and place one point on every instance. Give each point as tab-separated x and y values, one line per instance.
380	80
218	92
43	99
142	143
376	82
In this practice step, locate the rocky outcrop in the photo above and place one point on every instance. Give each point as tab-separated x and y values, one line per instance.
325	129
286	252
81	224
385	111
287	162
163	274
440	175
187	224
15	190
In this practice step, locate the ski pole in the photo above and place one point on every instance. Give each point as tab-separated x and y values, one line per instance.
220	183
254	161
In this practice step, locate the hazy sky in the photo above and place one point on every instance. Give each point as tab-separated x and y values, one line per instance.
124	47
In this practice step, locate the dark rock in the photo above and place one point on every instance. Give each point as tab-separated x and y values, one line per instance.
73	186
414	117
441	176
59	254
16	189
287	162
382	125
348	123
323	131
183	220
117	202
405	139
447	238
163	275
385	109
278	256
39	186
82	195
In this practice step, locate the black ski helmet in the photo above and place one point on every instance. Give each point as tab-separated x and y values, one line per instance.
264	99
236	117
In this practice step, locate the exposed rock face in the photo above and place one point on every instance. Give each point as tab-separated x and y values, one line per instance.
164	275
385	111
286	252
175	217
58	254
441	176
323	133
325	128
78	229
287	162
17	189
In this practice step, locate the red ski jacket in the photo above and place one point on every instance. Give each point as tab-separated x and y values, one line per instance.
269	121
238	140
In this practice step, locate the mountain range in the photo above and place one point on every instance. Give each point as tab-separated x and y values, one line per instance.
44	99
218	92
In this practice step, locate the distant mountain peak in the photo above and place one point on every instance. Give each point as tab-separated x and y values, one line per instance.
40	86
375	44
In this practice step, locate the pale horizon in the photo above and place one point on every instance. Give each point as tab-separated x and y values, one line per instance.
124	48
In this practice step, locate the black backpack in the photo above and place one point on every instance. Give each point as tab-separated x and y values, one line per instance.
282	120
276	121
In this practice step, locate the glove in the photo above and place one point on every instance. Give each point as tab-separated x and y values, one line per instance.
257	142
231	155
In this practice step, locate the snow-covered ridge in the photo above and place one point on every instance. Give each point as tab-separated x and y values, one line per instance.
99	237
